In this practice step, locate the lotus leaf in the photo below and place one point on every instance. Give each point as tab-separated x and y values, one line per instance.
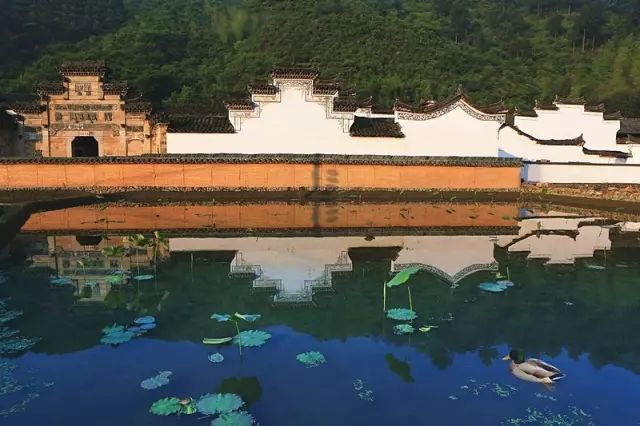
401	314
218	403
311	359
134	329
114	279
166	406
248	317
143	277
596	267
216	358
492	287
402	276
252	338
506	282
221	317
145	320
161	379
117	337
403	329
238	418
217	341
112	328
61	281
189	408
145	327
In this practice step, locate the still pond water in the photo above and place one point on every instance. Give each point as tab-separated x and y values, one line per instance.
315	274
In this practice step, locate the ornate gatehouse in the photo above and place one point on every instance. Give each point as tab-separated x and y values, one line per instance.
85	116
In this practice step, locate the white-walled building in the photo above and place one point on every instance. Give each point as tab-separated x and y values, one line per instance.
565	142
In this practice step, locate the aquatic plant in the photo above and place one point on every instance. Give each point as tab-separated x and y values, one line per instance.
221	317
248	317
161	379
402	276
143	277
362	391
427	328
117	338
252	338
113	251
145	320
311	359
216	358
147	327
218	403
61	281
166	406
114	279
113	328
401	314
214	341
237	418
496	287
401	329
573	417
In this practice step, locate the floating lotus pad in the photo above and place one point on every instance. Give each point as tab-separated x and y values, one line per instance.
493	287
216	341
161	379
252	338
218	403
221	317
145	320
403	329
61	281
506	282
117	338
216	358
248	317
311	359
237	418
146	327
427	328
143	277
112	328
166	406
402	276
401	314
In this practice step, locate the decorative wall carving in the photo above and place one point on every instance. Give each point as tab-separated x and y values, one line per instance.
85	107
501	118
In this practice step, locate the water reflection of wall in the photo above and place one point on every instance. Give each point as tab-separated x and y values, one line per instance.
67	254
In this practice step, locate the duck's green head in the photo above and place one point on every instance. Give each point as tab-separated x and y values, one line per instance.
516	355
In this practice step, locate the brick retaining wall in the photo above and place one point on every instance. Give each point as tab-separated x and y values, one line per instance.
267	172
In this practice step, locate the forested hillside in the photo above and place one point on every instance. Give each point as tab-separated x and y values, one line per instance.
181	51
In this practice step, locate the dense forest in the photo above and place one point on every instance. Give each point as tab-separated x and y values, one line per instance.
187	51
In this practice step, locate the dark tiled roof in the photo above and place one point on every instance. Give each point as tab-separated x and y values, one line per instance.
429	106
569	100
375	128
50	88
275	159
115	88
262	89
630	126
294	73
495	108
199	124
525	113
612	116
351	104
239	105
606	153
26	107
377	109
577	141
326	87
594	108
137	107
401	106
83	68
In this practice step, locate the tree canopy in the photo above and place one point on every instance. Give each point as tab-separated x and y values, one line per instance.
186	51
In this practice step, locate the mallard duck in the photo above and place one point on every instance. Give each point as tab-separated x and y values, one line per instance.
532	369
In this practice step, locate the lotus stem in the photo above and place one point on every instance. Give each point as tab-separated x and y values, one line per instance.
409	293
384	297
239	337
508	274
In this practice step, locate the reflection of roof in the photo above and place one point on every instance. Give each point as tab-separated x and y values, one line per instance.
199	124
375	127
83	68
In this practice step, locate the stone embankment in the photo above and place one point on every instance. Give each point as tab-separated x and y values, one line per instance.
597	192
